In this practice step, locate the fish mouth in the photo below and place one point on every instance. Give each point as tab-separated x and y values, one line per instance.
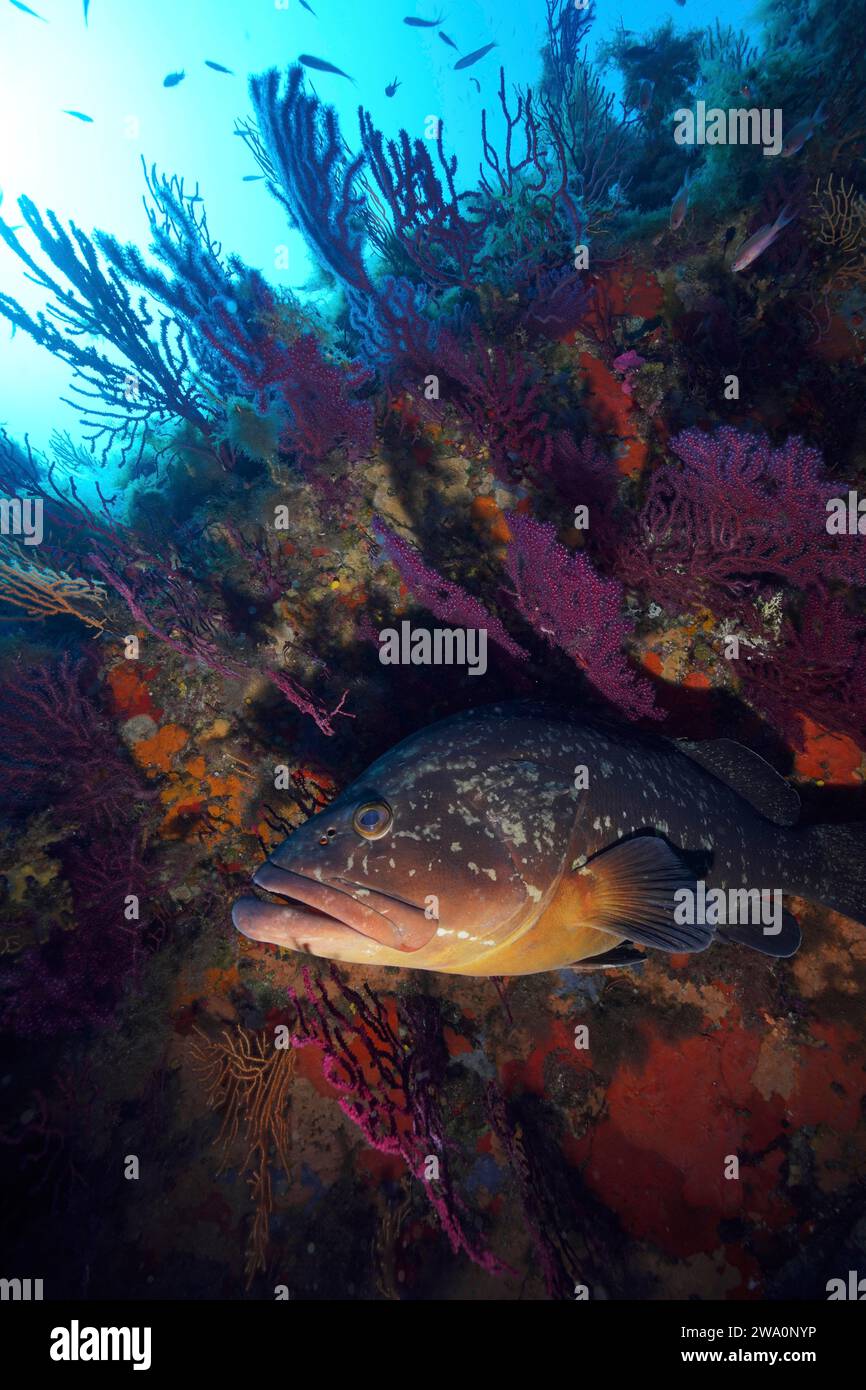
294	907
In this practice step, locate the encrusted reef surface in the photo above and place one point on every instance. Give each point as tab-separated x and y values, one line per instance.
539	405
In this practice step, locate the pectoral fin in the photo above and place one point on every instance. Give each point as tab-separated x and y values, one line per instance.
619	958
630	891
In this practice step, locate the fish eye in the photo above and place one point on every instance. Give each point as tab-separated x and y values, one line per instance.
372	819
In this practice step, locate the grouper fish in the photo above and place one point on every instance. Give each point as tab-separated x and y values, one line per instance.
510	841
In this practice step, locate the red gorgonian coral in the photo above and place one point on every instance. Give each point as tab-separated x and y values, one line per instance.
387	1064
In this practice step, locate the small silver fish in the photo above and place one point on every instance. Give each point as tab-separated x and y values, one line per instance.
803	131
322	65
445	39
473	57
764	237
218	67
27	10
423	23
173	79
680	204
473	849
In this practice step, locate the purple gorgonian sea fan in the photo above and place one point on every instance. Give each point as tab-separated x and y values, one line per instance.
444	599
735	516
571	606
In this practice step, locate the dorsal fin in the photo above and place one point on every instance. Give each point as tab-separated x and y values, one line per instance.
748	775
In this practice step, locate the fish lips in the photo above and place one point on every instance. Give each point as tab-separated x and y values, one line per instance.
312	906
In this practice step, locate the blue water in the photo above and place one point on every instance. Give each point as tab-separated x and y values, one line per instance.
113	70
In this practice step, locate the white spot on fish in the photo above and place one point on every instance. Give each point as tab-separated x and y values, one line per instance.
514	830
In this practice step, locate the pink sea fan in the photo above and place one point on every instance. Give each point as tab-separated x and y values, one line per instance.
573	607
387	1065
737	514
445	599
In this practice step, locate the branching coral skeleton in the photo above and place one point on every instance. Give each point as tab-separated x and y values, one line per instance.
249	1081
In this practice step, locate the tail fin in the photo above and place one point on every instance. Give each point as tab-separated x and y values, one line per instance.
836	855
785	216
820	113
